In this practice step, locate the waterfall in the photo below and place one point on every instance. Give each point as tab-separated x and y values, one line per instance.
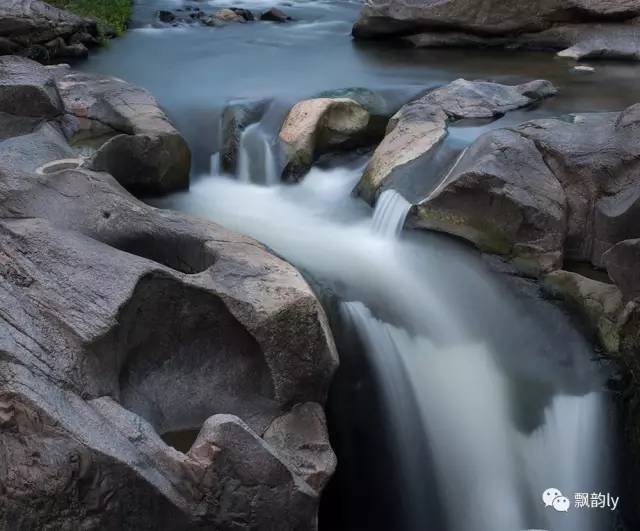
256	159
476	385
390	213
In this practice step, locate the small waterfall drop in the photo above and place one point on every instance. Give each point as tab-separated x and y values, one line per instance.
390	213
256	159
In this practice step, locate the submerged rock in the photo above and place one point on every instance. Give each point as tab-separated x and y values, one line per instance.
419	126
123	322
275	15
321	125
578	28
29	27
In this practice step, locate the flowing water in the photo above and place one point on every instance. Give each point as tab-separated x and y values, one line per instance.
462	394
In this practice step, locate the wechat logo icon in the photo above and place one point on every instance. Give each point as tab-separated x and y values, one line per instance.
554	498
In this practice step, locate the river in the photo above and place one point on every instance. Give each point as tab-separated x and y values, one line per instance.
462	393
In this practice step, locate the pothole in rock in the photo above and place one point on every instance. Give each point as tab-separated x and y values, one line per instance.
59	165
180	252
181	440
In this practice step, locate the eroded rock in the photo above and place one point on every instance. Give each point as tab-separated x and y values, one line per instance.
120	322
419	126
545	191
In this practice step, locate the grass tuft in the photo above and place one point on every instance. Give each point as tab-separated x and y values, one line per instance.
111	14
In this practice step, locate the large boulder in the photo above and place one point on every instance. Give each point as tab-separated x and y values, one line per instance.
545	191
502	197
623	265
123	323
43	32
321	125
419	126
119	311
112	125
587	28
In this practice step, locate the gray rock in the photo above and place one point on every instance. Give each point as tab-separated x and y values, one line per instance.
623	265
235	119
300	436
586	28
27	89
120	322
26	25
137	143
545	191
418	127
501	197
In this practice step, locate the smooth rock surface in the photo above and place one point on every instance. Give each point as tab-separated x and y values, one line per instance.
546	191
419	126
320	125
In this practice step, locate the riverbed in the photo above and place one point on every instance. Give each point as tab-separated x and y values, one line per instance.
463	394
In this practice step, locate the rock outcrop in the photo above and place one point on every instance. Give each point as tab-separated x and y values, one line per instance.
419	126
120	323
546	191
113	126
577	28
42	32
322	125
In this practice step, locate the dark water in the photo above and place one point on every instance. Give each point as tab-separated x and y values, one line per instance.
460	397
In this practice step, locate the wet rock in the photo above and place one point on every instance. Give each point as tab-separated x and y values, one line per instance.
115	312
623	265
244	13
27	25
166	16
235	119
318	126
229	15
600	305
549	190
419	126
275	15
583	28
503	198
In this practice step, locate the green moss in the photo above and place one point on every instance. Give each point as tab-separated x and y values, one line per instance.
110	14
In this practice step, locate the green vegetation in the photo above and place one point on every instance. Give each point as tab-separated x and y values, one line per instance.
112	15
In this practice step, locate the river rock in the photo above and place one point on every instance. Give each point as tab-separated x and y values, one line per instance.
623	265
502	197
123	322
131	136
236	117
578	28
600	305
26	26
275	15
419	126
321	125
545	191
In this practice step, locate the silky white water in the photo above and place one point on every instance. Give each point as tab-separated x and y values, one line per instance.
506	404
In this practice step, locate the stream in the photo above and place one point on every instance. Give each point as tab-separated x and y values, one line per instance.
462	394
